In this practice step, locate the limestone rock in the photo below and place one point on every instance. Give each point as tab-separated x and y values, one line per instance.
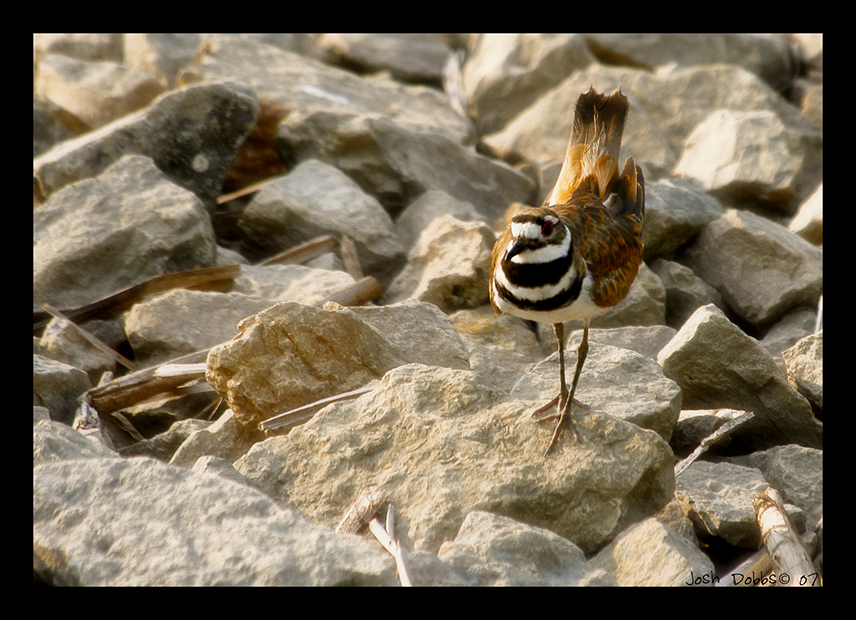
717	365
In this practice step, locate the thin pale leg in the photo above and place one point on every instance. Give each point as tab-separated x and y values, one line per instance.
565	414
558	401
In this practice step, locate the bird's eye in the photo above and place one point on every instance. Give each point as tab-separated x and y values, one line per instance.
547	228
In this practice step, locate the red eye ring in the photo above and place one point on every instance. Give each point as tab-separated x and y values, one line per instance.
547	228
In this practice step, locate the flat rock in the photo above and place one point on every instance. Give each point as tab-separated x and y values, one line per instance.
101	522
441	443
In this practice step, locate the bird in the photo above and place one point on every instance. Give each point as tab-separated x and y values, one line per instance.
578	253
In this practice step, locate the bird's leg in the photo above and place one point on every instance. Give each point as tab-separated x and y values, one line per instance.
559	329
559	400
565	414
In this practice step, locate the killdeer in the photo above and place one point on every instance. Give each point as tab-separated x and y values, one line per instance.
579	253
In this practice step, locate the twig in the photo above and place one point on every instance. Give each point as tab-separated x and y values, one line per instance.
355	294
301	415
349	257
782	541
302	252
363	511
194	278
711	439
386	538
94	341
365	507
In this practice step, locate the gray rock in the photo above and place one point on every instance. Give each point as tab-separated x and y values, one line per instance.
316	199
104	234
768	56
717	498
164	445
225	439
517	69
191	134
651	553
54	442
408	57
420	213
449	266
796	472
492	550
62	342
675	213
685	291
180	322
444	443
717	366
101	522
743	158
760	268
57	387
615	381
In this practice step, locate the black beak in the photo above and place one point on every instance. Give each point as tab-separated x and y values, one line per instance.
516	249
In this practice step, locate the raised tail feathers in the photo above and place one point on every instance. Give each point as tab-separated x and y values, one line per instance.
594	146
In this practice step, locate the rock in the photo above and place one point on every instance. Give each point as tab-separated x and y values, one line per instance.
796	472
685	291
492	550
316	199
398	165
162	55
768	56
615	381
675	214
505	331
743	158
54	442
808	222
164	445
717	498
761	270
694	425
57	386
191	134
63	343
805	368
517	69
142	522
647	341
181	322
52	124
301	283
445	444
650	553
226	438
420	213
717	366
104	234
291	355
408	57
449	266
541	131
787	331
96	92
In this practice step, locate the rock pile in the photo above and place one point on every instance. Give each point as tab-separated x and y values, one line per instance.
146	152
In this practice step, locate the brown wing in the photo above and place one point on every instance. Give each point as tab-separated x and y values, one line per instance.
608	238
